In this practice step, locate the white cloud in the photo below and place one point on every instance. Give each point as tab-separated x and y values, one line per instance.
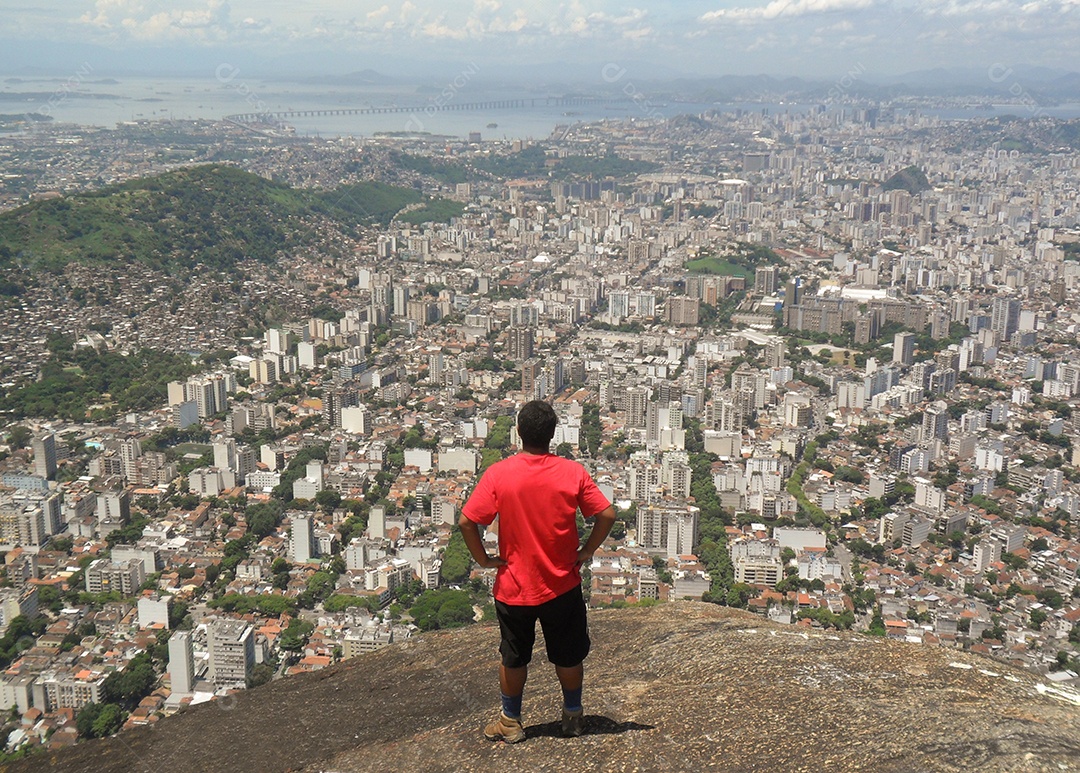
580	23
518	23
794	34
785	9
439	30
638	33
204	21
106	13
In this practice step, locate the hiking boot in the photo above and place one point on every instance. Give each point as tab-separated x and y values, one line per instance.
505	729
573	723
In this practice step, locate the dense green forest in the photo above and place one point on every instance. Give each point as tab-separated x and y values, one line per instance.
436	210
448	172
533	162
72	382
214	214
366	203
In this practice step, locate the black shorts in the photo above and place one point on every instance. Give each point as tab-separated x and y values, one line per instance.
566	631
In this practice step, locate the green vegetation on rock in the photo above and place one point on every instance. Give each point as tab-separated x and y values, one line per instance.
213	215
434	210
912	179
73	384
534	162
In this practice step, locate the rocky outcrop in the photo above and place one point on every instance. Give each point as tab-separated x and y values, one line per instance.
676	687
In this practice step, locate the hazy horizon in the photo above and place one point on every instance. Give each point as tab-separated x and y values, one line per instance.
518	41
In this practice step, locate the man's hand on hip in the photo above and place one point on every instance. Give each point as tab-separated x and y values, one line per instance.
492	562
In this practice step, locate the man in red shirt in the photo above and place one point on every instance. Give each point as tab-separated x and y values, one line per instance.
536	496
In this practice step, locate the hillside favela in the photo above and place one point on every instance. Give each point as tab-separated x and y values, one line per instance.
816	341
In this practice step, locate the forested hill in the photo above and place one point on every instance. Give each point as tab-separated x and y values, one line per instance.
215	215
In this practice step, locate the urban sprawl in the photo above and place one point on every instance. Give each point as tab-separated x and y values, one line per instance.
824	363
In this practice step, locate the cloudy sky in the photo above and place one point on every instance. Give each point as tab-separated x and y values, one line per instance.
820	38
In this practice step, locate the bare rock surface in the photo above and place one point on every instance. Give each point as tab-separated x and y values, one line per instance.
676	687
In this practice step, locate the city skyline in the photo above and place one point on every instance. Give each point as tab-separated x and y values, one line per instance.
264	330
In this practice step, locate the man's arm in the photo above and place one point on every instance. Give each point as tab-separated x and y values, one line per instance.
605	519
470	531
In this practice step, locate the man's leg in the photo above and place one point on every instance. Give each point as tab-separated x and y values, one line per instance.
512	685
518	629
566	635
573	716
571	680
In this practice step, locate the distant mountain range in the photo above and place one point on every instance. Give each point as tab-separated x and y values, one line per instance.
1040	84
996	81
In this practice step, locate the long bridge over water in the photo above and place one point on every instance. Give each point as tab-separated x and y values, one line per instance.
428	108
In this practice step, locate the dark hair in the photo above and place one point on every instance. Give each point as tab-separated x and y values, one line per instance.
536	424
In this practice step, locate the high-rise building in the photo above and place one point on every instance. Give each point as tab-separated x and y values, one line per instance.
701	372
44	448
757	562
532	383
793	292
682	310
225	454
520	342
1005	317
114	506
421	311
277	341
904	348
401	300
646	304
336	400
210	394
376	528
776	353
682	532
637	399
306	354
935	424
181	663
765	280
437	366
652	424
725	413
103	576
619	304
130	452
671	531
356	420
232	651
524	314
678	476
645	481
32	527
302	539
263	371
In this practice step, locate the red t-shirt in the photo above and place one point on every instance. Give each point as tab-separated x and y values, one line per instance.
536	498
